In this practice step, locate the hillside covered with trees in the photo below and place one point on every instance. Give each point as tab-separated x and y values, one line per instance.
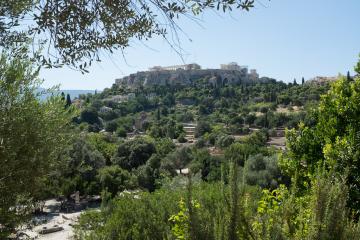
197	161
243	160
234	183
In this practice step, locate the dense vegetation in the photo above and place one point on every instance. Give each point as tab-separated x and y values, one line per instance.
157	180
174	161
265	105
32	134
309	191
139	142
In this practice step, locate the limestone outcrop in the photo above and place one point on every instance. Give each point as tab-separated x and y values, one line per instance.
187	77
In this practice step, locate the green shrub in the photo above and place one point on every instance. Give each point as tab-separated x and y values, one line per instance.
121	132
181	138
114	179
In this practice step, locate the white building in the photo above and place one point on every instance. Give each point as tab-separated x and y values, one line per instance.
192	66
105	109
230	66
322	80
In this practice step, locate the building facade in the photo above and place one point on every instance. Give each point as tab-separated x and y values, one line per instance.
192	66
231	73
230	66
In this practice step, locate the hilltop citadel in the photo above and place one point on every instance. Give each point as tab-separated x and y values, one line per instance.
186	74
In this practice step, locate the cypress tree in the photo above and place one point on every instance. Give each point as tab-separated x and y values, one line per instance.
295	83
63	96
158	114
348	77
68	100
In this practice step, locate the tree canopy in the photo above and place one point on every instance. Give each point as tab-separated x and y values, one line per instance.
32	133
134	153
76	32
332	143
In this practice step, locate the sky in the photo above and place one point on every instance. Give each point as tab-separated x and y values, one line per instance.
282	39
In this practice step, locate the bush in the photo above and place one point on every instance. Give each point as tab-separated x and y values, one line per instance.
250	118
182	138
176	160
202	128
94	128
110	115
111	126
81	169
223	141
115	179
131	216
200	143
245	130
204	213
121	132
263	171
257	138
185	117
133	153
90	116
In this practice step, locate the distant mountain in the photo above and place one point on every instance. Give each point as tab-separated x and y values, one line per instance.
73	93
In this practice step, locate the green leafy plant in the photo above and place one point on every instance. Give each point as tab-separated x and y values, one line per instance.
180	221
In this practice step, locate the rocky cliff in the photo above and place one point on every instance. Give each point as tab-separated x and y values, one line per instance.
186	77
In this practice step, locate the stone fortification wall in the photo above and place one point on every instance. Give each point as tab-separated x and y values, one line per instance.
184	77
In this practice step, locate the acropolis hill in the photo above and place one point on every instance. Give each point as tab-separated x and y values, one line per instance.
230	73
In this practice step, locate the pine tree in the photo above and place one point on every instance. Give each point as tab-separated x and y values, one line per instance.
302	81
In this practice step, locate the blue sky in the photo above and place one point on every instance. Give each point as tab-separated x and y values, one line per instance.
283	39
